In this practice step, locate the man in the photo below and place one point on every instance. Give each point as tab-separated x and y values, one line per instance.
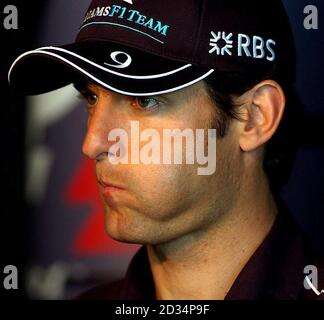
186	65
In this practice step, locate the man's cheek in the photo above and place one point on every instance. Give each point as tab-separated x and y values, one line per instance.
161	195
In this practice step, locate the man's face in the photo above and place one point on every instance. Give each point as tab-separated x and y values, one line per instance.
157	203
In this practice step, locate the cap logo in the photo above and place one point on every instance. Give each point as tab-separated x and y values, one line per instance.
256	48
225	49
121	64
123	17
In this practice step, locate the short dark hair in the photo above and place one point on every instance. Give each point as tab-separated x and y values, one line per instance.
224	87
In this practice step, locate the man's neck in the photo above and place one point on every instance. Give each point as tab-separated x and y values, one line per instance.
205	264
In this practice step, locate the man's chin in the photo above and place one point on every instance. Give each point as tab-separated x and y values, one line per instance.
122	226
128	239
124	234
128	229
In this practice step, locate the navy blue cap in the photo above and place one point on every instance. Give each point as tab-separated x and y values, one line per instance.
145	47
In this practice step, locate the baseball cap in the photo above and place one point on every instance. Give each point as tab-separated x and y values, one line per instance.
145	47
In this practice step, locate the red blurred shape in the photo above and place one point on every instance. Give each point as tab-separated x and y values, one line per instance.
91	239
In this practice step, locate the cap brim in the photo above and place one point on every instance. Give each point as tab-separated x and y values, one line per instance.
49	68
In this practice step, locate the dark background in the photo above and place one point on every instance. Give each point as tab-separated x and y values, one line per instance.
304	193
14	221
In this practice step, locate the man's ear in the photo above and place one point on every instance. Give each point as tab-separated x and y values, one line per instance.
262	114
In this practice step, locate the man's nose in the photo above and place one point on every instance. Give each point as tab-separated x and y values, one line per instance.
96	144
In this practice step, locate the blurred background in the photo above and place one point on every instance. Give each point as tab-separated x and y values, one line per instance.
51	216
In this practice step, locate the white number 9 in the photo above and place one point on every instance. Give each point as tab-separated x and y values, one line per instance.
120	64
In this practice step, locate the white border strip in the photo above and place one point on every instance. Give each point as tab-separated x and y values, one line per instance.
161	75
103	83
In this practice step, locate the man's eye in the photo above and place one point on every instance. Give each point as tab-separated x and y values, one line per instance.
90	97
147	103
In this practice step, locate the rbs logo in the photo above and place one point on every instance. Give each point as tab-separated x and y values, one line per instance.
222	43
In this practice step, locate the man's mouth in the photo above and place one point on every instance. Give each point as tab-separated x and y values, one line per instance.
108	189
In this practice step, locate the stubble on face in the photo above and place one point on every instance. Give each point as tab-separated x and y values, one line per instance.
162	203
